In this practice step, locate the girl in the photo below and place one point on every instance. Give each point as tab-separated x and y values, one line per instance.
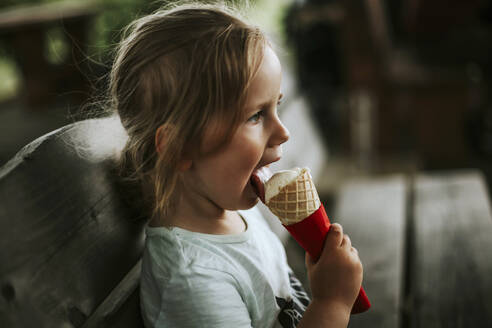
197	89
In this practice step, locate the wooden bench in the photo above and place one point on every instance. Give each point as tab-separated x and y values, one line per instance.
70	247
425	244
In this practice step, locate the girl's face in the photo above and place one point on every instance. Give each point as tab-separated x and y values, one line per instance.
222	180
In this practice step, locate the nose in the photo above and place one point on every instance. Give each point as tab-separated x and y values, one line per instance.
280	133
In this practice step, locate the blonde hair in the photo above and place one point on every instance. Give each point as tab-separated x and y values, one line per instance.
184	67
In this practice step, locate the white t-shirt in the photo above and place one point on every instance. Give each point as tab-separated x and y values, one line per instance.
193	279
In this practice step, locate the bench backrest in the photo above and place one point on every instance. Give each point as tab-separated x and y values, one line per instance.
70	247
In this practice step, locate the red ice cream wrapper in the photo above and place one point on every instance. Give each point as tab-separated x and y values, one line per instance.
310	233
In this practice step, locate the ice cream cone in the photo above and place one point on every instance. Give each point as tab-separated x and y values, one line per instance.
295	201
292	197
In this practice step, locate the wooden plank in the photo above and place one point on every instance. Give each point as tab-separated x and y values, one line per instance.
373	214
451	268
67	238
123	297
19	17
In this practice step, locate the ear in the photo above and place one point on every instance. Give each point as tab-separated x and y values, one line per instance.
161	136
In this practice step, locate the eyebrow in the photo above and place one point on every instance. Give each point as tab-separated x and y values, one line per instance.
269	102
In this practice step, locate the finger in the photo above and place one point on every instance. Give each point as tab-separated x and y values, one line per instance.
337	226
346	242
335	235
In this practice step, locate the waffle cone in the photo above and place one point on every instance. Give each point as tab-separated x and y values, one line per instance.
296	201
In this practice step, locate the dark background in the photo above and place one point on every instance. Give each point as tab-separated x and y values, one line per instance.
390	84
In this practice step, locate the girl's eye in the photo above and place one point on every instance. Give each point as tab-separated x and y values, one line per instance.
256	117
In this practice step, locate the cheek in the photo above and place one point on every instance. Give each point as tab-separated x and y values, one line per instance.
231	168
249	153
240	162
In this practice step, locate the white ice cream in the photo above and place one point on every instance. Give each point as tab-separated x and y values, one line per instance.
279	180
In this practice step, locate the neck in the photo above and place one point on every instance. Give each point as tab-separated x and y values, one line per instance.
204	216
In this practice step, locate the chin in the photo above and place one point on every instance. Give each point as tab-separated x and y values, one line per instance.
249	204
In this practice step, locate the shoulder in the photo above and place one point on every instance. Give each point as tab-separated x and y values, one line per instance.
174	251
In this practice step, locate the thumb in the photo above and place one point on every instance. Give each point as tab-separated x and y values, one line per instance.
334	237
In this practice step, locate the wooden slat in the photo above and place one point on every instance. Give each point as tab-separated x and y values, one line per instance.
451	269
121	296
373	214
19	17
66	236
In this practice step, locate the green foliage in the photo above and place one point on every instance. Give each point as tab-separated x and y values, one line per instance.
10	78
106	30
114	16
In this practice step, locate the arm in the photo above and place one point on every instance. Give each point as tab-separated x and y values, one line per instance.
335	282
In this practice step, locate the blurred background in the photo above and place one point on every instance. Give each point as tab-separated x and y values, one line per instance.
388	85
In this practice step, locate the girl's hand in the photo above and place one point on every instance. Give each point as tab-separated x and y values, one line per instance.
336	277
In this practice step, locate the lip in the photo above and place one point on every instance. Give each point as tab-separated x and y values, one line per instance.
262	165
261	176
257	182
266	164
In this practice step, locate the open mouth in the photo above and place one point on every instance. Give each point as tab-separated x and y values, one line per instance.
258	179
258	187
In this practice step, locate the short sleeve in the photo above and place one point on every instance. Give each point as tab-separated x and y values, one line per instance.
206	298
